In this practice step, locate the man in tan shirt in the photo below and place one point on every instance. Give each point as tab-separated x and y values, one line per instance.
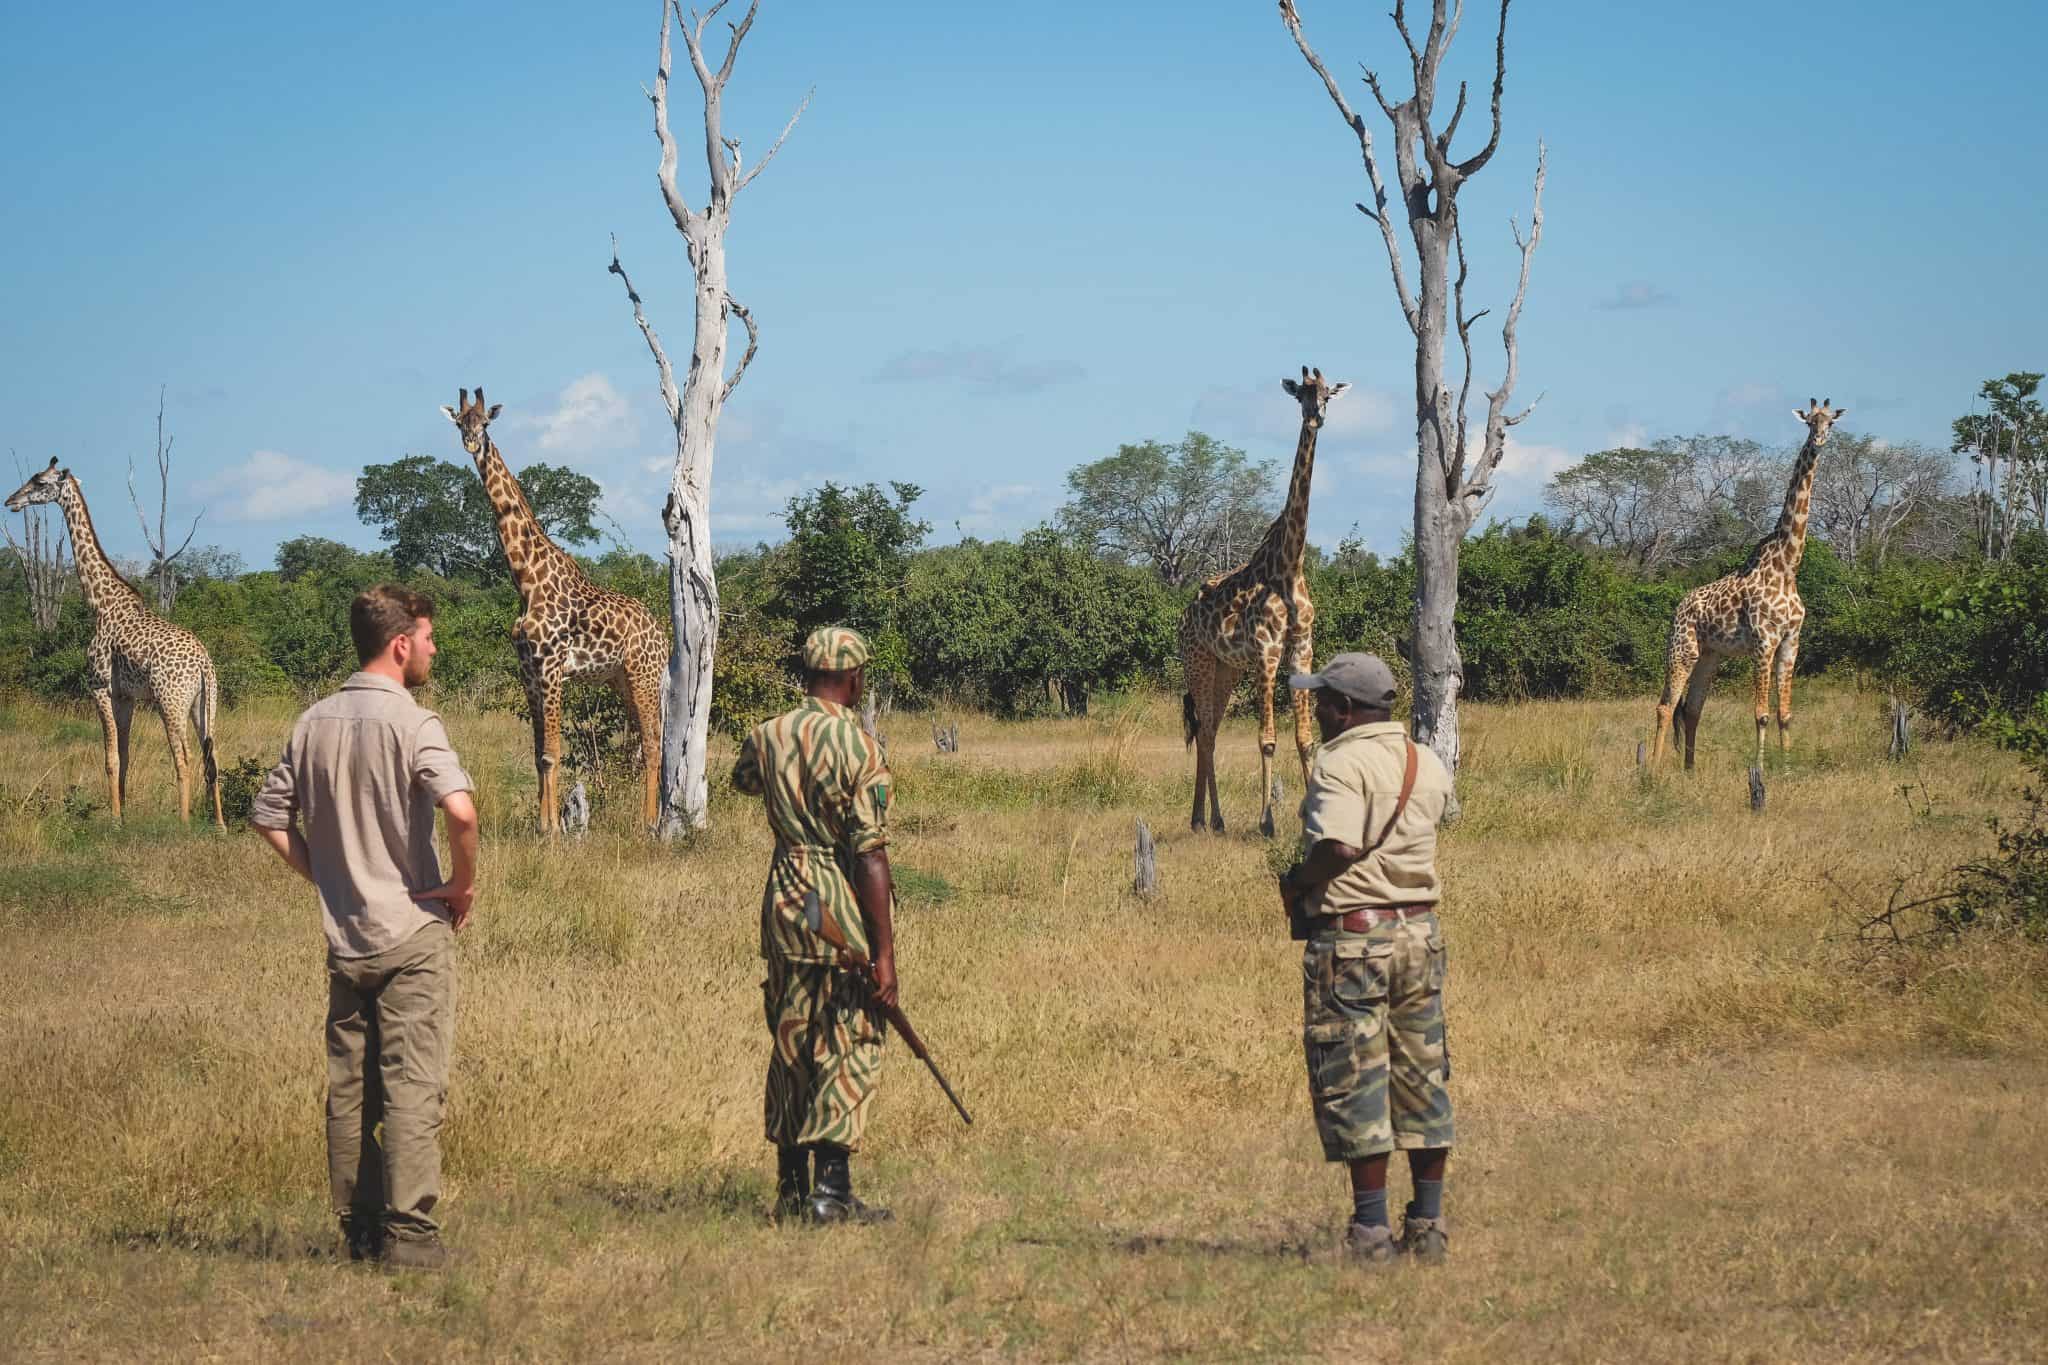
350	807
1373	968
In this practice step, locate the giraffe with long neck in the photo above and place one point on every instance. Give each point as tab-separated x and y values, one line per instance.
1755	610
1257	616
135	655
568	626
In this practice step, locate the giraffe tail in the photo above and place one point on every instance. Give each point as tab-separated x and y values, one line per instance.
1187	718
207	702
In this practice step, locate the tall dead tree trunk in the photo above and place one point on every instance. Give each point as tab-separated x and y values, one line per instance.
1453	482
694	411
44	563
165	566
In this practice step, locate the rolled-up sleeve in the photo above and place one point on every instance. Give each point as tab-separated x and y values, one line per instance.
435	769
278	801
1334	809
867	816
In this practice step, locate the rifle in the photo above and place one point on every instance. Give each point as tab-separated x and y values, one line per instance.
814	916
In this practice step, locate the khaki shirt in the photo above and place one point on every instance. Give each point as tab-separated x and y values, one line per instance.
364	770
1352	790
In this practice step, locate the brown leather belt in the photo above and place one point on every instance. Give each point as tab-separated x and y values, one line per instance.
1358	921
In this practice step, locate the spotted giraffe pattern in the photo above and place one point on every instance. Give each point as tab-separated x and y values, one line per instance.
1257	616
1754	611
135	655
568	626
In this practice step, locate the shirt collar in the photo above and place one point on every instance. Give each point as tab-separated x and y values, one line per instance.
363	678
830	708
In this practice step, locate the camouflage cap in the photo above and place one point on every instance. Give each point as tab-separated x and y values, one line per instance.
834	649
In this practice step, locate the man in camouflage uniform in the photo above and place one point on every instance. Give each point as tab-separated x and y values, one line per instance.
1373	968
825	787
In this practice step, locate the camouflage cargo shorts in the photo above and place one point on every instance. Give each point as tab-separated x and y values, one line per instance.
1373	1034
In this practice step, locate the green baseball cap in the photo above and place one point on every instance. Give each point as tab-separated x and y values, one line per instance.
1361	677
834	649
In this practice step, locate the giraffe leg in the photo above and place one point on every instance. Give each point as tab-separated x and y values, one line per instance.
1766	660
1221	684
1197	666
1303	661
551	746
124	721
537	713
1679	661
103	698
174	737
1695	702
1269	744
643	705
1788	655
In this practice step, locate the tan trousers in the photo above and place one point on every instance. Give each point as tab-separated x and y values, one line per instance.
390	1029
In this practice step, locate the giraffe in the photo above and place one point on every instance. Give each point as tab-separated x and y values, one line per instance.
1256	616
135	655
1756	609
568	626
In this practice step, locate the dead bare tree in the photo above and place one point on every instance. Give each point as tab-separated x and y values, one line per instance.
164	567
695	410
1453	482
45	562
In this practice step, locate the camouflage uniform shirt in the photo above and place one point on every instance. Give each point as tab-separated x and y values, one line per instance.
826	791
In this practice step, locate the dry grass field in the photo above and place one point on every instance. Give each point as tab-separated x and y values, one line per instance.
1697	1121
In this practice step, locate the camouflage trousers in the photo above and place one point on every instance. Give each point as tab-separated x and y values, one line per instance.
827	1053
1373	1034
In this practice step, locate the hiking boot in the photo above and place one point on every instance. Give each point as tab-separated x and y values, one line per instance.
827	1208
415	1253
1369	1242
1428	1240
792	1183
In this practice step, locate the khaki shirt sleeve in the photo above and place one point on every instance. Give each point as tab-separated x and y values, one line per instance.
1336	807
746	769
278	802
434	765
867	817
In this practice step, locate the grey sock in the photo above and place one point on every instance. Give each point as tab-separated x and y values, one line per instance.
1369	1207
1428	1201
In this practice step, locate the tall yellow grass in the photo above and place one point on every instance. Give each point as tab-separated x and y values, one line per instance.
1694	1125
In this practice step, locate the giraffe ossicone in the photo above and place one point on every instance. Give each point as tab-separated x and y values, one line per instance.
568	627
134	656
1755	611
1257	616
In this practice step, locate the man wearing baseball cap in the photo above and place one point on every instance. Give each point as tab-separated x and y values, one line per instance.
1366	891
825	788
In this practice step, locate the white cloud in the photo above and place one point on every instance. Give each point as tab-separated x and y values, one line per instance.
1635	294
272	486
989	368
589	415
984	508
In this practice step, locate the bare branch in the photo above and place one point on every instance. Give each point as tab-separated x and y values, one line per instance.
1443	143
140	519
1497	419
1372	83
1465	341
1414	57
762	164
1353	121
167	559
669	397
753	343
739	35
1471	165
686	219
713	86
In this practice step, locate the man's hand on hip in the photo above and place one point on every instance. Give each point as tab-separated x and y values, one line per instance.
459	897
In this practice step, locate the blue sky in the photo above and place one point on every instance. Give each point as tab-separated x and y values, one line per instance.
1003	240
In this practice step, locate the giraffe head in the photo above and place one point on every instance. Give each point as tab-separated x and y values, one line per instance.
43	486
1818	419
1314	395
473	420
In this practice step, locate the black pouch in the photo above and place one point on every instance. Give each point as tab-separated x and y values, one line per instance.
1300	924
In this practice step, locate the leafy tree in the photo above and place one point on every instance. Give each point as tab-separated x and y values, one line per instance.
1869	494
2009	444
323	558
435	515
1682	498
846	557
1187	510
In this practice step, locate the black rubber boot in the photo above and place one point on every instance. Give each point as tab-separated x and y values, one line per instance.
832	1199
792	1182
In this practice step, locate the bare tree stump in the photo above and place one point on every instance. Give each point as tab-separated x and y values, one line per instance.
867	722
1902	730
1756	790
576	812
946	738
1146	879
1639	753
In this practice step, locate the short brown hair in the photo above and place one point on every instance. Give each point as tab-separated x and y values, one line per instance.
381	614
